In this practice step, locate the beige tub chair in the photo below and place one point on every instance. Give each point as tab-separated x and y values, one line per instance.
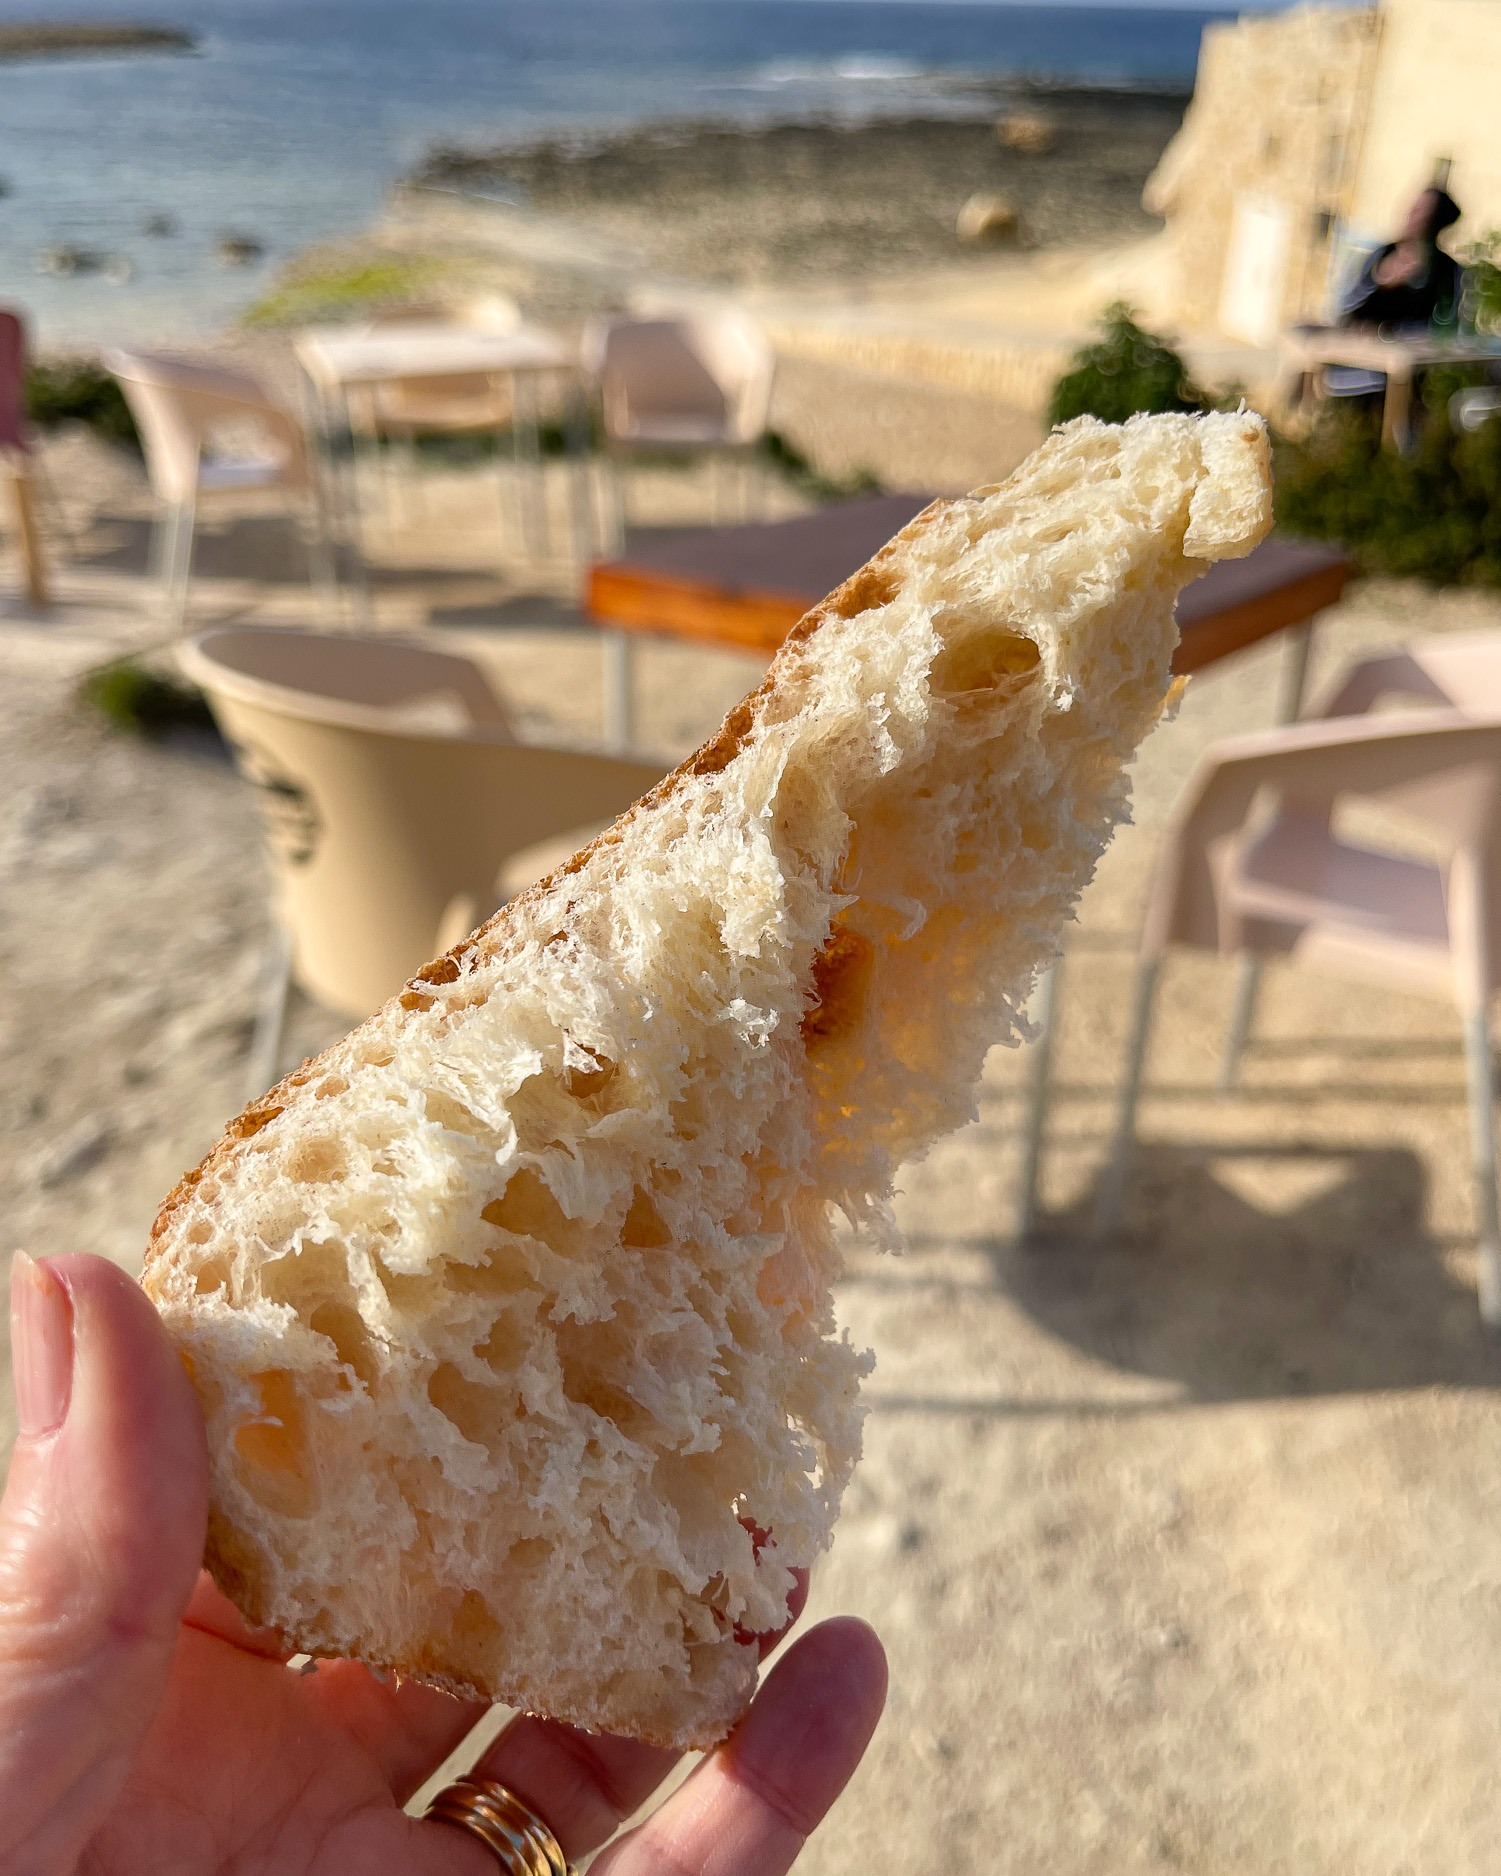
209	431
1291	886
394	793
692	381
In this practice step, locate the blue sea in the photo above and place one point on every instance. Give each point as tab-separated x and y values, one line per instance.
294	116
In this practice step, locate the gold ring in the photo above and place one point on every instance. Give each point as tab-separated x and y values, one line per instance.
523	1844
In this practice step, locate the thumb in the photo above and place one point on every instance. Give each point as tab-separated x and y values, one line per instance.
101	1535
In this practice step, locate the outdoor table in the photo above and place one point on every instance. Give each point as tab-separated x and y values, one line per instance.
743	589
342	362
1399	356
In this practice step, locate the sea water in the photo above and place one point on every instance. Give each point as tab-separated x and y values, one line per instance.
292	118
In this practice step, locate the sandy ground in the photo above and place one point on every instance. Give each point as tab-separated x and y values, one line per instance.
1182	1547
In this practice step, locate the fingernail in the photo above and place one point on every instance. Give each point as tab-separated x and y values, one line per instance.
41	1341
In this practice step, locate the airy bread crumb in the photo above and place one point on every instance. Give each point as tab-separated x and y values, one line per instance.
511	1314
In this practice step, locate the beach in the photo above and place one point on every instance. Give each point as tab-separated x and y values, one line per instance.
1181	1544
814	203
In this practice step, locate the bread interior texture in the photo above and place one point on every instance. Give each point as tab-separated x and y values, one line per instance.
511	1314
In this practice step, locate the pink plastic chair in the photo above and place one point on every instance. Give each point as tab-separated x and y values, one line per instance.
17	444
693	381
1291	886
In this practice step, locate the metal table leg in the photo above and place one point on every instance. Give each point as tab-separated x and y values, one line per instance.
615	656
1039	1065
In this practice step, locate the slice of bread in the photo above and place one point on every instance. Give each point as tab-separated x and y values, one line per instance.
511	1314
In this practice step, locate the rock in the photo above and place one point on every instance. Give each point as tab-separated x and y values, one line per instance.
234	250
988	218
64	262
159	225
75	1153
1027	132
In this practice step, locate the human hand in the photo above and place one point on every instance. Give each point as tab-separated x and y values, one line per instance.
1402	265
145	1731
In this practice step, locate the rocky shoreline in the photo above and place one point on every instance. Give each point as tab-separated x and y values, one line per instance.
77	39
791	203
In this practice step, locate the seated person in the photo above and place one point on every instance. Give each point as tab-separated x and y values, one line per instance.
1409	281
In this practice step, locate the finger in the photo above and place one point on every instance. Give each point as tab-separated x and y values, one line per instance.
211	1612
751	1806
101	1534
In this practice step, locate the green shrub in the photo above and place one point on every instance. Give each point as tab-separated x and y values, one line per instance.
1482	283
1126	371
342	289
80	393
1433	514
789	461
144	701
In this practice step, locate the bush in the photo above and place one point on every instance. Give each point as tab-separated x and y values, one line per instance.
789	461
83	394
144	701
1126	371
1434	514
1482	283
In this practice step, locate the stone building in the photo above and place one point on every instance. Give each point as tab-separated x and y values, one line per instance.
1309	133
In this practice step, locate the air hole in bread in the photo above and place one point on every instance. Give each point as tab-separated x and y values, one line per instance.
344	1328
306	1276
476	1408
982	661
213	1276
590	1354
643	1229
330	1086
530	1553
503	1272
320	1161
871	587
509	1339
581	1083
409	1292
453	1115
528	1208
271	1452
841	980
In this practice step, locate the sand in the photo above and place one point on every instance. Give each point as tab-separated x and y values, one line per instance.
1182	1547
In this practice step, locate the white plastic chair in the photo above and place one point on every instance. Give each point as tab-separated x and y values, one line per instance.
395	793
206	431
1289	885
692	381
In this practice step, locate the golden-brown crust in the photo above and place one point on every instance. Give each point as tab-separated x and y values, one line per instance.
864	589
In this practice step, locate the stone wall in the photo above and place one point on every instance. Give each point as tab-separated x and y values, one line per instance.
1271	142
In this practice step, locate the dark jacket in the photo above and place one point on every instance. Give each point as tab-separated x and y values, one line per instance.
1431	295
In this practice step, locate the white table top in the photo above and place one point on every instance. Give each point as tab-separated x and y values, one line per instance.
343	355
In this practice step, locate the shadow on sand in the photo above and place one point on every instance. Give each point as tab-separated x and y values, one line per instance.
1264	1271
